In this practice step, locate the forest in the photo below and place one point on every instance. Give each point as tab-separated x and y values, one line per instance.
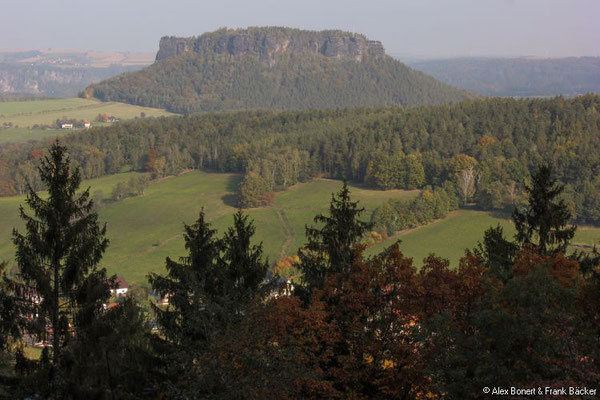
517	312
481	152
526	76
193	82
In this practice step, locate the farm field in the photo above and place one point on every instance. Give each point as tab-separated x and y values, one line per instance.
23	115
145	230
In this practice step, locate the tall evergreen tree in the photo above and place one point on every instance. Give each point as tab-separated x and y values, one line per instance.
209	291
218	278
242	266
546	218
333	247
113	358
58	256
189	284
10	312
497	253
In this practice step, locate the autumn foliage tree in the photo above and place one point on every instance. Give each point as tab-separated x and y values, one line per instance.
252	191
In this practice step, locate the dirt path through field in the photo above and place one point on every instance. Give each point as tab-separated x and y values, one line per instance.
289	232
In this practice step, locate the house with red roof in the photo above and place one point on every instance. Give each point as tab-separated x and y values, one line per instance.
122	287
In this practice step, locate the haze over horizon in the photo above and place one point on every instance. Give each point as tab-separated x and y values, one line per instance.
418	28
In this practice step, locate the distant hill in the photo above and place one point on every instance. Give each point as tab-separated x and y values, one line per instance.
38	73
52	81
278	68
517	76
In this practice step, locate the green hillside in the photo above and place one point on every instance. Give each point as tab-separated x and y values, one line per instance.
144	230
279	75
526	76
400	147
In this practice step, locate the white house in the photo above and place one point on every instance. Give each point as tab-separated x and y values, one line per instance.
122	287
66	126
86	124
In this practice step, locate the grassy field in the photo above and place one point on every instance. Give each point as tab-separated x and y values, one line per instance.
447	238
145	230
9	210
26	114
460	230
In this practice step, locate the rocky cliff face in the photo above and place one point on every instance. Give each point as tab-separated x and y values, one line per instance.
270	43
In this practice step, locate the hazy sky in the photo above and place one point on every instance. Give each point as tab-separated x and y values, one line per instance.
407	27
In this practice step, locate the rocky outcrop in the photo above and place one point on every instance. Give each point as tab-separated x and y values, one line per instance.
268	44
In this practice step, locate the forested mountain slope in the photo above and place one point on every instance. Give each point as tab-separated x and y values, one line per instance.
502	140
276	68
517	76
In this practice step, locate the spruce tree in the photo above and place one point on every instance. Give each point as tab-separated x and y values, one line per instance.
497	253
333	247
190	285
10	313
215	282
242	268
58	256
545	221
210	291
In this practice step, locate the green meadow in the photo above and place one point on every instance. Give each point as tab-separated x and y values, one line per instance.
447	238
144	230
461	230
25	114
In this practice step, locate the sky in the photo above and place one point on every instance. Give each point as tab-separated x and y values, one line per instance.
413	28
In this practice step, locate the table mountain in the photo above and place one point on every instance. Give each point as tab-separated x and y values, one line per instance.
272	67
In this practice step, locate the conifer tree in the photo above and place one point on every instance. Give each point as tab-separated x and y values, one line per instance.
546	217
58	256
497	253
242	265
10	313
214	283
190	284
209	292
333	247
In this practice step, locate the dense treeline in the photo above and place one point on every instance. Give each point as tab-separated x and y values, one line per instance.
516	313
569	76
431	204
483	147
192	82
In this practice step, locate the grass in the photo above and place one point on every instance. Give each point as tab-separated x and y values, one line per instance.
9	210
144	230
447	238
302	203
587	235
460	230
26	114
15	135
